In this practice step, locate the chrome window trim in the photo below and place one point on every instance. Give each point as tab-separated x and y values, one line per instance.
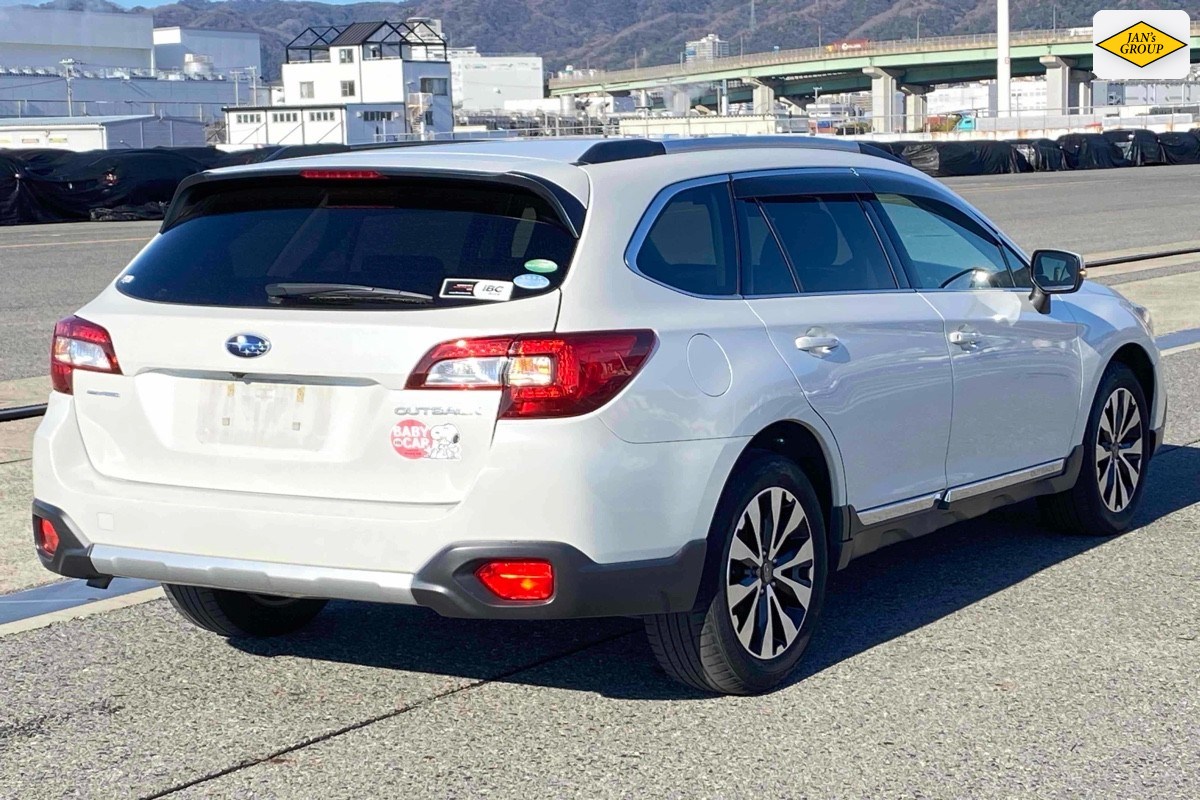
650	216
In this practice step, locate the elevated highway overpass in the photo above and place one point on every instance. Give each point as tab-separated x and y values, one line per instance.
911	66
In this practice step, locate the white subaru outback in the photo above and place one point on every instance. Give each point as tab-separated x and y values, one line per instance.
681	380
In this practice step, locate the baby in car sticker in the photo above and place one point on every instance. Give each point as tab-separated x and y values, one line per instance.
415	440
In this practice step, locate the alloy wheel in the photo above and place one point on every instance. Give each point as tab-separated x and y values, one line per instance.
1119	454
769	575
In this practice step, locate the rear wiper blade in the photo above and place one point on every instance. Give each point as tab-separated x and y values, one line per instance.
279	292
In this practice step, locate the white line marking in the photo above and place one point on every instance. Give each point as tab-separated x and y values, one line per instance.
1183	348
81	611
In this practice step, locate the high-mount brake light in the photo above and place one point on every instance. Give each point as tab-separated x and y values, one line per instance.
341	174
544	375
79	345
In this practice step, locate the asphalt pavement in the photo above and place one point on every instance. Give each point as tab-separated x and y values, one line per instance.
995	658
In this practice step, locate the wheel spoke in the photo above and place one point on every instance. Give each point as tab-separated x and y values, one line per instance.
802	592
785	531
745	628
788	627
738	592
1132	423
754	514
805	553
742	554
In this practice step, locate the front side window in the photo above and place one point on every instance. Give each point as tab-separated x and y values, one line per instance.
690	246
831	243
942	247
1018	266
347	88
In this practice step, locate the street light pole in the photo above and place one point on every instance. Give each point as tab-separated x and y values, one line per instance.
1003	62
919	27
70	63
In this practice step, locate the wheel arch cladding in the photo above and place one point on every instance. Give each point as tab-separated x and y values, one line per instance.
800	445
1138	360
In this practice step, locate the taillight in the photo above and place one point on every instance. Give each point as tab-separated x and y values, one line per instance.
518	580
548	375
46	537
79	344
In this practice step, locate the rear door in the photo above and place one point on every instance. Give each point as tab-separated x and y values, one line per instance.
1017	372
226	387
869	354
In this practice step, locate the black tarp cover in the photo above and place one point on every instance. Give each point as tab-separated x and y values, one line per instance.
1042	155
949	159
1091	151
1181	147
1138	146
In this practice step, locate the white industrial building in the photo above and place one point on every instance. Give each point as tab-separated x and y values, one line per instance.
195	51
355	84
706	49
491	82
100	133
55	62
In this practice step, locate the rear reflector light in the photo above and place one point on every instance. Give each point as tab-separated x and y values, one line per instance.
46	537
518	580
548	375
79	344
341	174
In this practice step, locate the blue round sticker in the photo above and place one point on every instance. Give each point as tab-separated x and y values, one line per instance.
529	281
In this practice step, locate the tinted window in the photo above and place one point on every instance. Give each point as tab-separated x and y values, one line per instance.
942	247
690	246
764	269
831	244
232	242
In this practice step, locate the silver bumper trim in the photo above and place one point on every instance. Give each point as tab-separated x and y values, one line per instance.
260	577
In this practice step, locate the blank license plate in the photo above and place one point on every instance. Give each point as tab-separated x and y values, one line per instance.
276	415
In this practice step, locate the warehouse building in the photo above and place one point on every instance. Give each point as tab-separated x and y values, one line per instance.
490	82
100	133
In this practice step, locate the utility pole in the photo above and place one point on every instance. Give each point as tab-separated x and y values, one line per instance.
1003	61
753	20
70	64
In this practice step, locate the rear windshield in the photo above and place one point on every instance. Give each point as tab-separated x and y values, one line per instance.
456	242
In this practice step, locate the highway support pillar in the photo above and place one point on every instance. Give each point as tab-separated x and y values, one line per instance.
1068	90
764	96
916	107
884	117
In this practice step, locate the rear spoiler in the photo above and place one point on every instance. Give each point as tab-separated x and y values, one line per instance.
565	204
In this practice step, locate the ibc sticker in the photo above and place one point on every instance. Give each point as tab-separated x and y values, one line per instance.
415	440
477	288
1141	44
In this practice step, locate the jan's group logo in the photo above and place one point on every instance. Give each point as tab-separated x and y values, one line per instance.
1131	45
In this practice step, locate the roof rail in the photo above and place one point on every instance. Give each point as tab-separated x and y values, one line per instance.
625	149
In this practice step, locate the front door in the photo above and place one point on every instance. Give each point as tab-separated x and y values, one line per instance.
1017	372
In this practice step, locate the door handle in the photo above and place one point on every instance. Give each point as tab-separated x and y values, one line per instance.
965	338
818	345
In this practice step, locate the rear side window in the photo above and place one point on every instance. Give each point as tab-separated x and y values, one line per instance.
691	244
831	243
457	242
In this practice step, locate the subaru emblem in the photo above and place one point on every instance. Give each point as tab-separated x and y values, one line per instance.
247	345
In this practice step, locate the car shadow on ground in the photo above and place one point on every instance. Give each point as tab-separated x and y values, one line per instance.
878	598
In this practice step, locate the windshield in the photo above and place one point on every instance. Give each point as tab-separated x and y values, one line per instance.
459	242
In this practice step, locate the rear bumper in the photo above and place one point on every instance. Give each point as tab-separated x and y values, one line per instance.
447	584
621	523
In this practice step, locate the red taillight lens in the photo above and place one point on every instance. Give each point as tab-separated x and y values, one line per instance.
549	375
341	174
518	580
47	537
79	344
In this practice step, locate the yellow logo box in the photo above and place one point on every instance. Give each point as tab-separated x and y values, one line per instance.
1141	44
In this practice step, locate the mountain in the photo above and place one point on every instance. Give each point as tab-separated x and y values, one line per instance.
619	33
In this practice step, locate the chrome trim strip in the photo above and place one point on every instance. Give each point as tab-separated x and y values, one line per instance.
261	577
874	516
1004	481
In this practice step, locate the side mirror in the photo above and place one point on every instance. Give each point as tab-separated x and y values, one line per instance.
1054	272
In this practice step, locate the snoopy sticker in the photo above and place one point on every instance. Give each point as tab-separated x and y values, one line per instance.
445	445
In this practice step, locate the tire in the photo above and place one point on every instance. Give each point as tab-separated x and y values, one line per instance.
702	648
240	614
1106	494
